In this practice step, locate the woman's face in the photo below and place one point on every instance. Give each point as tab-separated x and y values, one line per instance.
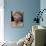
17	17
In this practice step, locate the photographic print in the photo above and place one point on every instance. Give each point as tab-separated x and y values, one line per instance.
17	18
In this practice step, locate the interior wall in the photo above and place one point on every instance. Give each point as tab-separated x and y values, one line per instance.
43	6
30	7
1	20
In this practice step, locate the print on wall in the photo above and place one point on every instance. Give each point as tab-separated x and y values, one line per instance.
17	18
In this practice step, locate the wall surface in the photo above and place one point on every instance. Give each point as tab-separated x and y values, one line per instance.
43	6
29	7
1	21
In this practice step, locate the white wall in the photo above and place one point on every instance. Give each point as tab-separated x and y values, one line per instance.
1	20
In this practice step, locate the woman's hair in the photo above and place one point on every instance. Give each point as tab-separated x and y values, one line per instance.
18	12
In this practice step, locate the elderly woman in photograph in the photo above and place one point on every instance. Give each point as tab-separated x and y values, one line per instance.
18	19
